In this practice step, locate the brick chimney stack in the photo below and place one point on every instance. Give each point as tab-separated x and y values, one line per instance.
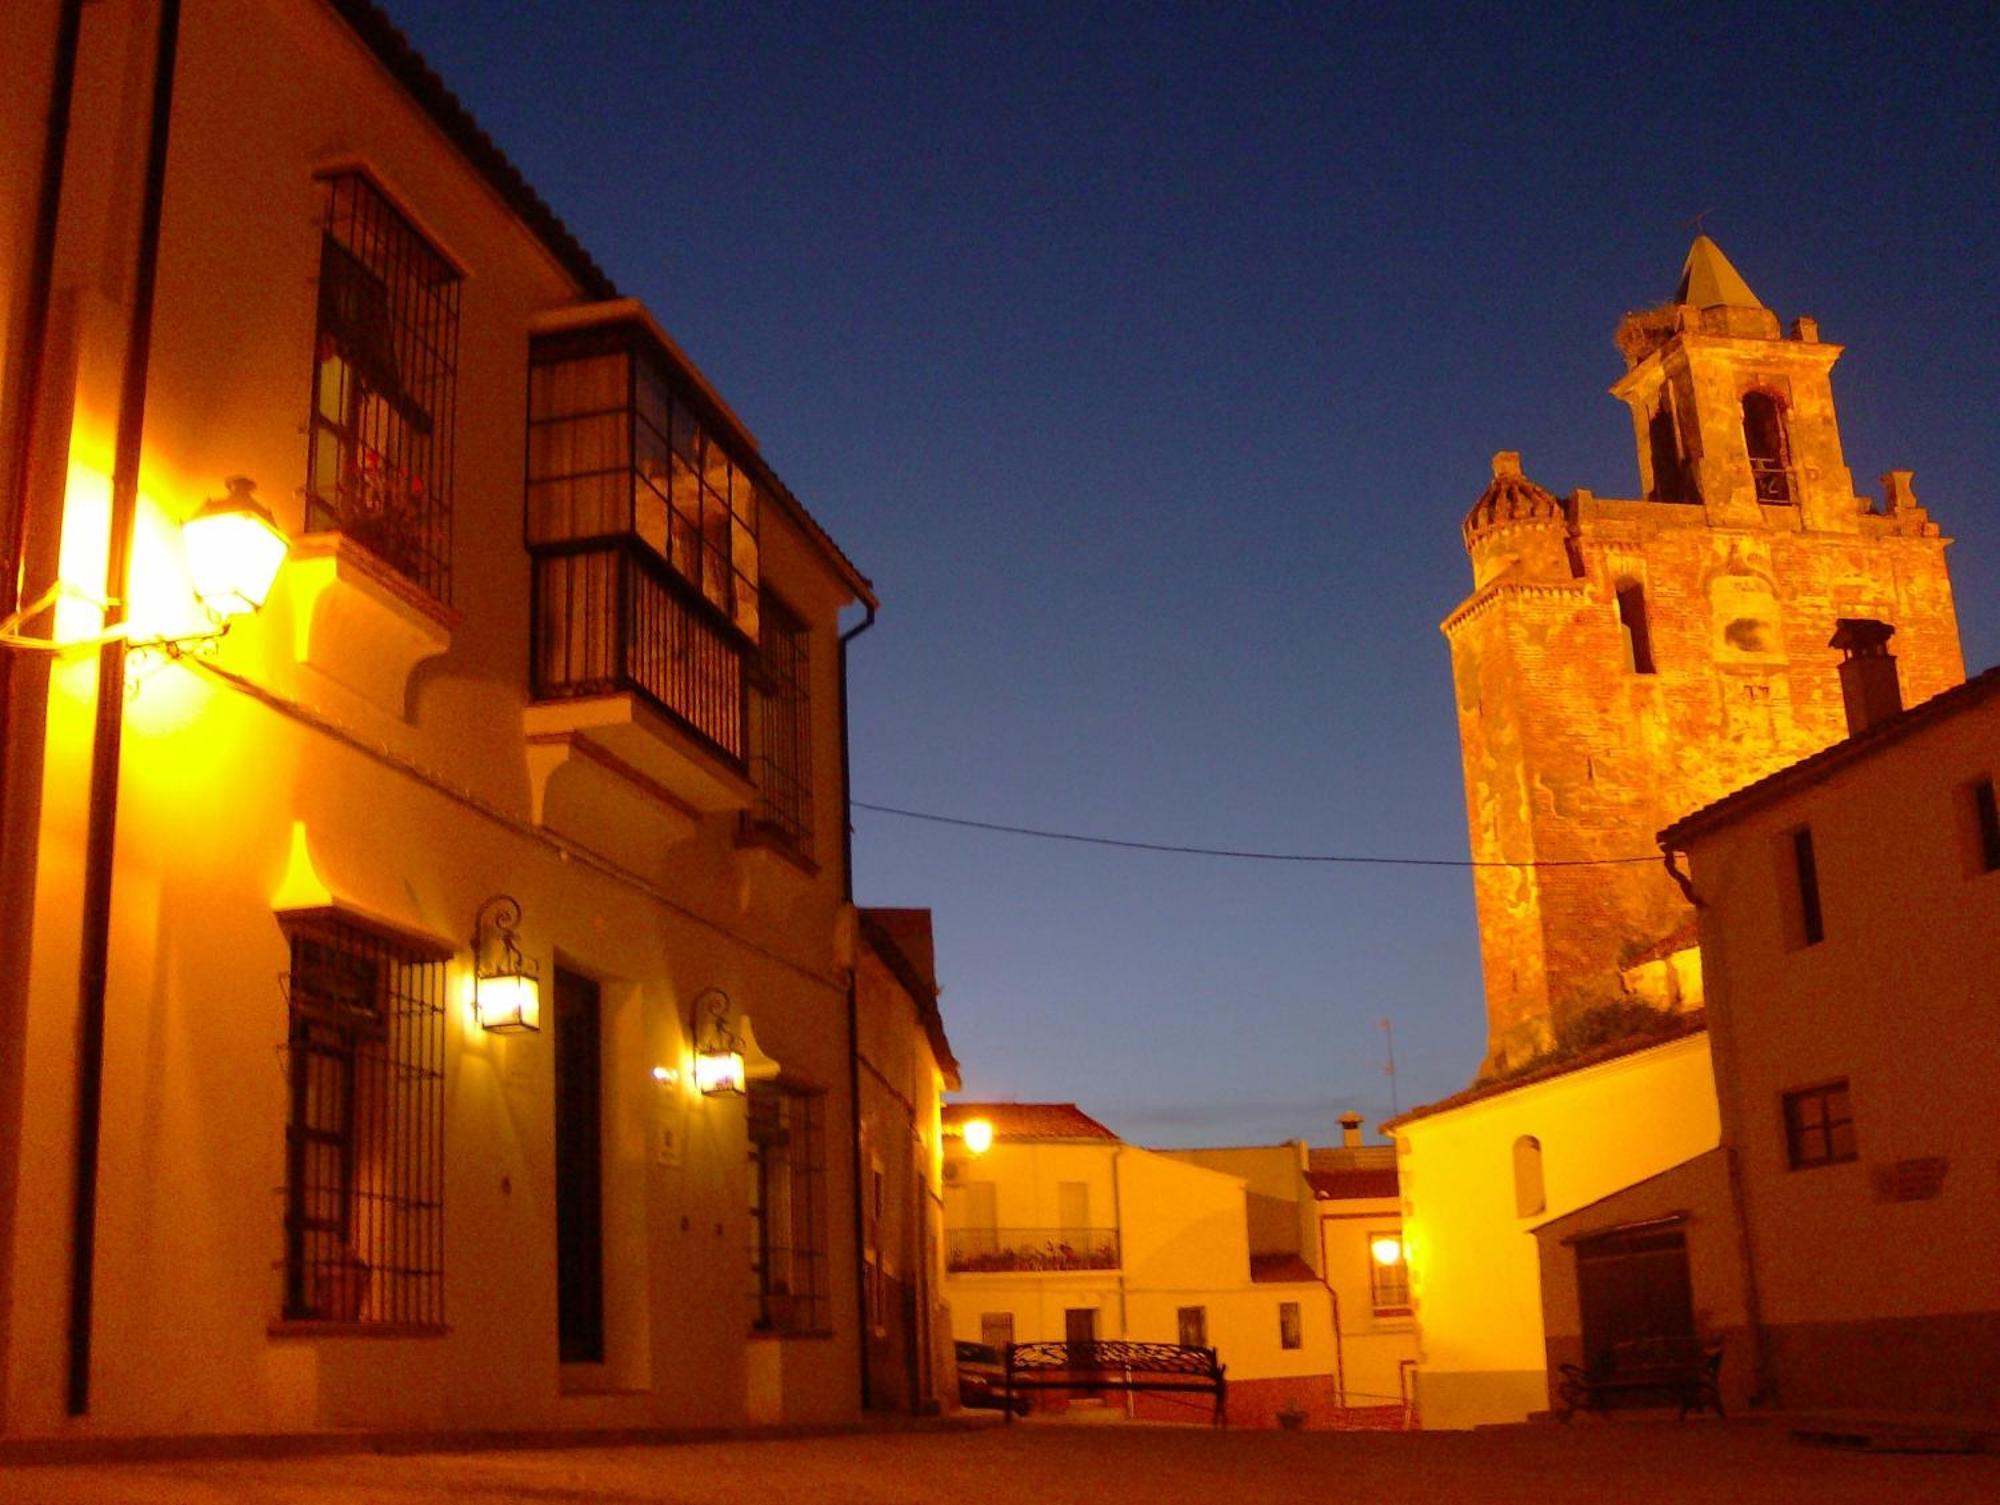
1350	1131
1868	681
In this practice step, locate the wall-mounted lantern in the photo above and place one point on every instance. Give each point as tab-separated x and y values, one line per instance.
233	550
506	986
718	1051
1387	1249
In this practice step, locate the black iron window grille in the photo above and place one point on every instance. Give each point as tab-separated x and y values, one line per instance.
787	1210
782	767
1819	1126
364	1134
385	385
643	524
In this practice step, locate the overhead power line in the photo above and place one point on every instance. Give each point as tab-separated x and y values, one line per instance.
1240	854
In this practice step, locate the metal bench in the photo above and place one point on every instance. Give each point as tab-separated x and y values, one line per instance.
1164	1368
1684	1369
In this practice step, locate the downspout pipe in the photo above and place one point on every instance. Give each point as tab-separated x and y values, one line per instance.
854	1016
25	392
100	843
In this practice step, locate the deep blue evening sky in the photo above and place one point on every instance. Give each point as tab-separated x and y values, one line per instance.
1147	359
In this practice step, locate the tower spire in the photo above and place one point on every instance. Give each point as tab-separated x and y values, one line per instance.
1709	281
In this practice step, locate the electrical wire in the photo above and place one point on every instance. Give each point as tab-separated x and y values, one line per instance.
1238	853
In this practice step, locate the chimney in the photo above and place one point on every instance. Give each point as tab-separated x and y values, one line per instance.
1867	672
1350	1131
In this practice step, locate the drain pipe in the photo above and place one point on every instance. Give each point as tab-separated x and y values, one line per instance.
854	1014
26	390
101	841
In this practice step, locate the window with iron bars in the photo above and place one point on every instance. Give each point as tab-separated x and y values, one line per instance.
782	766
364	1132
384	387
787	1210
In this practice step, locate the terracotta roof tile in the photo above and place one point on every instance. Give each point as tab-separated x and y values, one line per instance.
1693	1022
1031	1120
1340	1186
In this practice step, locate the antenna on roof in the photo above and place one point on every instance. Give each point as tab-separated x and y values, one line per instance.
1389	1070
1696	224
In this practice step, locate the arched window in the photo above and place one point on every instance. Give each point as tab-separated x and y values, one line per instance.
1671	482
1770	451
1632	618
1529	1197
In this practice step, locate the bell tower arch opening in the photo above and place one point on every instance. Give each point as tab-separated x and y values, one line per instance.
1768	445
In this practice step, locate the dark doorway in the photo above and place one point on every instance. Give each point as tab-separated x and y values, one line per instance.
1080	1333
579	1171
1633	1285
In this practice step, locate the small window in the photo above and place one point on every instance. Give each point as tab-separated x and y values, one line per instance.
1388	1280
1529	1195
364	1134
1819	1126
1985	826
787	1210
1638	635
1289	1334
1770	451
384	386
1805	876
1194	1326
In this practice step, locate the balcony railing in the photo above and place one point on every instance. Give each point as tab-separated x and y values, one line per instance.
978	1250
611	617
1773	480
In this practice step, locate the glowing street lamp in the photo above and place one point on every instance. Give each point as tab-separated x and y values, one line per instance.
978	1135
718	1054
506	990
233	550
1387	1249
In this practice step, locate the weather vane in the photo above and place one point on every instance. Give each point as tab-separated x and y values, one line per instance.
1697	223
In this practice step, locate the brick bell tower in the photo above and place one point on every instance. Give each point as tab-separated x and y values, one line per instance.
1622	662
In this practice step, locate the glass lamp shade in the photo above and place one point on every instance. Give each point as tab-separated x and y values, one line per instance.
978	1135
509	1001
1387	1251
718	1072
233	551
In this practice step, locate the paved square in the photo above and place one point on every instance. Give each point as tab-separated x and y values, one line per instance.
1056	1464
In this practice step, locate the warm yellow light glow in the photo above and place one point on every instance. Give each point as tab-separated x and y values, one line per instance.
233	551
978	1135
507	1002
666	1076
719	1071
1387	1251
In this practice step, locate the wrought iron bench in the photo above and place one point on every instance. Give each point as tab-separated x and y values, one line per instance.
1684	1369
1167	1368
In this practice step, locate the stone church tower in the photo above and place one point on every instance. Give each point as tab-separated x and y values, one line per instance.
1620	663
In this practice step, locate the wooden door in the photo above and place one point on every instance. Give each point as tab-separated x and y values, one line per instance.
579	1170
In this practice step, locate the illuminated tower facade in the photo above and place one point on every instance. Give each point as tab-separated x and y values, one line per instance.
1622	662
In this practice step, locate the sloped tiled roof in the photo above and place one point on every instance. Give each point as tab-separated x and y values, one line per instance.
902	938
1031	1120
429	92
1340	1186
1279	1269
1824	763
1693	1022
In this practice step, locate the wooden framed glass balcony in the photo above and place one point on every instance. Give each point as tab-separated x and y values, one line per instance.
975	1251
642	517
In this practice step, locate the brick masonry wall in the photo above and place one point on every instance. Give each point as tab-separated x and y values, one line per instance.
1570	754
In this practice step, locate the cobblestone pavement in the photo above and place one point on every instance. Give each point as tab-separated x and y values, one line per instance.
1052	1464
